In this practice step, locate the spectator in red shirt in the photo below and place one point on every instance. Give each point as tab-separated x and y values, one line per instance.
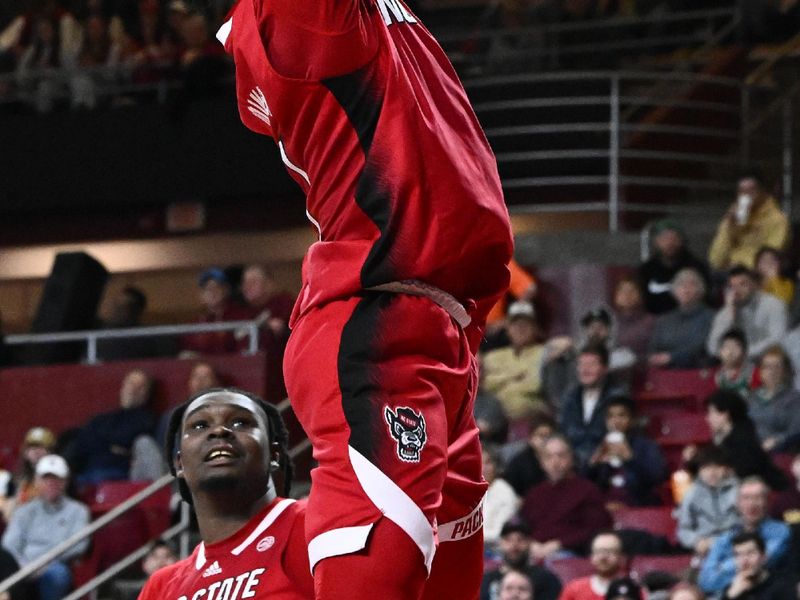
608	561
565	510
215	296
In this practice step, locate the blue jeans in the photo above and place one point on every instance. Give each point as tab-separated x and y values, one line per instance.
55	582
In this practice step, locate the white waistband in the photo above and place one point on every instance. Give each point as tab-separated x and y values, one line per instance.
414	287
464	527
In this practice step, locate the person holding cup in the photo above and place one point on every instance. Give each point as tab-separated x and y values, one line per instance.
753	221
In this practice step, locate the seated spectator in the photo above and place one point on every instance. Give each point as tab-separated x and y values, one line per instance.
516	585
753	221
524	469
626	465
786	505
270	305
735	372
769	266
522	286
500	503
774	406
565	510
624	588
791	345
489	415
45	522
36	65
159	556
679	336
97	50
514	544
708	508
215	297
669	256
103	448
752	580
733	430
608	562
761	316
559	362
584	407
271	308
513	373
686	591
634	324
125	309
20	487
719	568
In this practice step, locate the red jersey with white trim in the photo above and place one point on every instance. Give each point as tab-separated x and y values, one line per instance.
373	123
267	558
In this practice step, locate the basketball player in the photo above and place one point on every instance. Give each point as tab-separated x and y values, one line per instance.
229	443
402	187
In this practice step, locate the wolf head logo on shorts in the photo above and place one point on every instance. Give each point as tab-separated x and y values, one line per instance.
408	428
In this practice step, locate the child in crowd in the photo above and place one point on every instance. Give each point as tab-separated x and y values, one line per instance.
709	506
735	372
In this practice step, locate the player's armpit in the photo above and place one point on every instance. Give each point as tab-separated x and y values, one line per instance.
317	40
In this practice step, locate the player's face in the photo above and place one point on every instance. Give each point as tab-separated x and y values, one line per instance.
225	445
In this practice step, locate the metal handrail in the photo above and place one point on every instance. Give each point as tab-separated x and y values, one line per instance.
87	531
250	328
457	37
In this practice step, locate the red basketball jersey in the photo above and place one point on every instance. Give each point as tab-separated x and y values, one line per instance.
268	558
373	123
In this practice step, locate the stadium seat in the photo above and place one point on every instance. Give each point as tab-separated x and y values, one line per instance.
694	383
154	509
675	564
568	569
682	428
654	405
657	520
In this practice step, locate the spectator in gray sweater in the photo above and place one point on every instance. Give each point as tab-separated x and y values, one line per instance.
43	523
774	406
679	336
761	316
709	506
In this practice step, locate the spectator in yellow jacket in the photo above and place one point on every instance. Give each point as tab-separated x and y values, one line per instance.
753	221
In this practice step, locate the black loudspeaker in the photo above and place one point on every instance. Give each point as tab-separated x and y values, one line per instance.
69	302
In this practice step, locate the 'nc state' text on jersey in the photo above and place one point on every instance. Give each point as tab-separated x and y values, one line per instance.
393	11
230	588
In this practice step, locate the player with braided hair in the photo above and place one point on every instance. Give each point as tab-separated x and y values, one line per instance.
224	446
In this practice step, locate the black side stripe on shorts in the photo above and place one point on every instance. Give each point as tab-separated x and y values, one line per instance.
358	375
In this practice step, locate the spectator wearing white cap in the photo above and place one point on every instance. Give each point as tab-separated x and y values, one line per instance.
43	523
513	373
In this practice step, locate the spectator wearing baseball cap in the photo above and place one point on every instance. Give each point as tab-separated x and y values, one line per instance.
514	545
44	523
214	291
669	254
18	488
512	373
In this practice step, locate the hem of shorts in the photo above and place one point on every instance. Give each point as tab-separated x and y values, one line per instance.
338	542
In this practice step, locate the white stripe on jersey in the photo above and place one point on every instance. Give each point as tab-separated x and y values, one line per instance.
266	522
293	167
225	31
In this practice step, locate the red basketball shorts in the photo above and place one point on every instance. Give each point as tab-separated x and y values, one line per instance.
384	386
